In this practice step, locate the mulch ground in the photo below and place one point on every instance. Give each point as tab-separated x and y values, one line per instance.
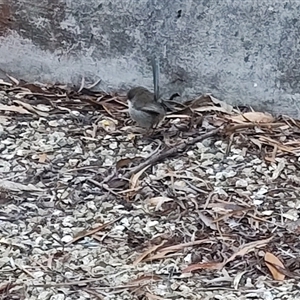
206	206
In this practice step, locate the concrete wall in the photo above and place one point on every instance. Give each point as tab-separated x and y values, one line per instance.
241	51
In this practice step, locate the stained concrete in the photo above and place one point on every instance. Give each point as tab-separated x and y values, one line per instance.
244	52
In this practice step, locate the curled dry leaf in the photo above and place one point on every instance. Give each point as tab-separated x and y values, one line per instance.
274	265
279	168
134	180
209	222
237	279
124	162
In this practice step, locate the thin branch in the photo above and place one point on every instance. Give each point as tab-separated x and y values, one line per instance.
180	148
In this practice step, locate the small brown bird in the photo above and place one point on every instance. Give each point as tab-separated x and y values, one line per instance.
143	108
143	105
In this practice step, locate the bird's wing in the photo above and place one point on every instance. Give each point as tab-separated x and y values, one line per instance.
154	108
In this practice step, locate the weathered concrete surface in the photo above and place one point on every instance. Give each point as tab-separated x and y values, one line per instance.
241	51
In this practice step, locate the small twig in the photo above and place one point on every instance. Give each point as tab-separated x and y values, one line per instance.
92	231
236	127
24	270
63	284
81	282
103	186
89	291
163	154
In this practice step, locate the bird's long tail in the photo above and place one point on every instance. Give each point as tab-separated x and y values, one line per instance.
155	70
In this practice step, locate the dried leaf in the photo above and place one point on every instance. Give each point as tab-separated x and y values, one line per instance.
184	245
134	180
85	233
124	162
271	261
31	108
256	142
175	116
273	143
211	108
254	117
13	79
117	183
209	222
33	88
154	297
147	252
280	167
201	266
42	157
14	108
158	202
229	108
2	82
145	279
162	253
17	187
237	279
247	248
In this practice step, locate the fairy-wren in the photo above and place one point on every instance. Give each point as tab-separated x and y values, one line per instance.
143	105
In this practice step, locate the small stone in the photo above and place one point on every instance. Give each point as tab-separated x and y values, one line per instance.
53	123
291	214
67	238
73	162
219	176
220	191
68	221
230	174
58	297
267	212
258	202
219	156
191	153
113	145
241	183
236	158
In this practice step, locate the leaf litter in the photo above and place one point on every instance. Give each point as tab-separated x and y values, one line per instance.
204	207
